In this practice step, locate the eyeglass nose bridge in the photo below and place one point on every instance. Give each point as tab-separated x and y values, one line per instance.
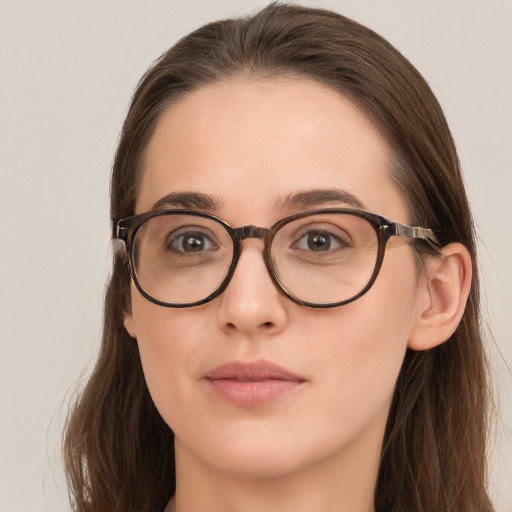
239	235
250	232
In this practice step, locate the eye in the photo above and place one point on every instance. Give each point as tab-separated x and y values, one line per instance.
318	241
190	242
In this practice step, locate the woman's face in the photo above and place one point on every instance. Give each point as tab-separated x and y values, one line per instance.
249	144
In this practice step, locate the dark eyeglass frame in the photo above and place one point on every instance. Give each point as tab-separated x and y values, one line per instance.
127	228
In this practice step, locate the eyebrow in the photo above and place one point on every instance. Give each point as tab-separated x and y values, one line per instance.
187	200
296	201
310	198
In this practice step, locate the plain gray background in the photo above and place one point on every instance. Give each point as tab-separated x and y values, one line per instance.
68	69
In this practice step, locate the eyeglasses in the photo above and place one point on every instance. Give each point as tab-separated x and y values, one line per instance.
320	259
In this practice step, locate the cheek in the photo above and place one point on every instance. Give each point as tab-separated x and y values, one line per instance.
360	347
168	341
357	365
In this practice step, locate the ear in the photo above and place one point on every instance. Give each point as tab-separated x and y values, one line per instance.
443	295
129	324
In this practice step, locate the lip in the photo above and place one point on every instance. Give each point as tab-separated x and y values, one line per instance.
253	384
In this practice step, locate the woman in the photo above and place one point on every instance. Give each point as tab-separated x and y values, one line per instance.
292	322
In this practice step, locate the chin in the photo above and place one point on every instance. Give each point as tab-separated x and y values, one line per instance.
255	455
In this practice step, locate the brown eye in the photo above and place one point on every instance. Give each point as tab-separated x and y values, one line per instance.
190	242
318	242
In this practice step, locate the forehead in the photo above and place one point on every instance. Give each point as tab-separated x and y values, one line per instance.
250	142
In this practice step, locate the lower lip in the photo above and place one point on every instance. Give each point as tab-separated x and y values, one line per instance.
252	394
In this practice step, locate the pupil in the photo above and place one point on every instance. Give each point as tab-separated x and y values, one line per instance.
192	244
318	242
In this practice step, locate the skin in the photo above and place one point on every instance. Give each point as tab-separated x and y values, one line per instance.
250	143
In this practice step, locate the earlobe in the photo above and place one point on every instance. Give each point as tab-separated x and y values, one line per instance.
129	324
445	291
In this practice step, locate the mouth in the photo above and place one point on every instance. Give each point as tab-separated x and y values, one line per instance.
251	385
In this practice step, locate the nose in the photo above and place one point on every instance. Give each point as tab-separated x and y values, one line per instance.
251	303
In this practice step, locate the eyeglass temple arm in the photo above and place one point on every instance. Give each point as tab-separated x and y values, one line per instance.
119	232
119	237
414	232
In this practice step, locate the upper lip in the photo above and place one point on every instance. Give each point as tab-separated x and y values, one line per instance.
252	371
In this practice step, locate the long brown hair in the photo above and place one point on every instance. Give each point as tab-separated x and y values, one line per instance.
119	452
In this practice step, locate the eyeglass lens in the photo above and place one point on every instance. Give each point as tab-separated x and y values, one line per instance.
322	258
